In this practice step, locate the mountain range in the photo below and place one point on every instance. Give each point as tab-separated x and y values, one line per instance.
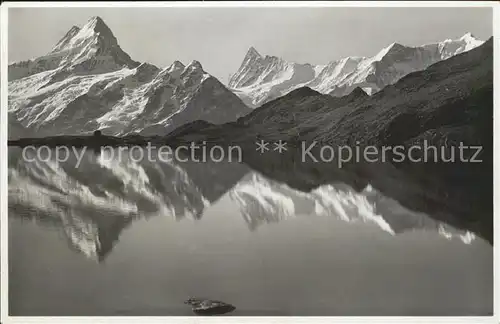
442	93
88	82
449	103
263	78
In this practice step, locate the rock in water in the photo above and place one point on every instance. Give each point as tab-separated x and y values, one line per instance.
209	307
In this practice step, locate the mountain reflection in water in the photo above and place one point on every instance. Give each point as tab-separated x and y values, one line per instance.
95	202
92	205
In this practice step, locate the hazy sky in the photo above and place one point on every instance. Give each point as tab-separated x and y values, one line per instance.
220	37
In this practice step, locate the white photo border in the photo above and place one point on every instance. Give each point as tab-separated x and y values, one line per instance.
5	318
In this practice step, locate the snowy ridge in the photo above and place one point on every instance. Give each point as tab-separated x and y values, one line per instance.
261	79
263	201
87	82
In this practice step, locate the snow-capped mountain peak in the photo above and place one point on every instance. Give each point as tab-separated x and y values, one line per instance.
468	36
194	65
176	65
175	69
145	72
253	51
261	79
252	54
195	73
471	41
393	48
93	31
98	25
88	82
66	39
87	50
449	47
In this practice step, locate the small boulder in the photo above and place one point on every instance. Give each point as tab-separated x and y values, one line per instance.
209	307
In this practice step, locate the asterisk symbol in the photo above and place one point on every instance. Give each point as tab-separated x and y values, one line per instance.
262	146
280	146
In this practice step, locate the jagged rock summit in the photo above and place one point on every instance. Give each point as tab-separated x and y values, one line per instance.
90	49
88	82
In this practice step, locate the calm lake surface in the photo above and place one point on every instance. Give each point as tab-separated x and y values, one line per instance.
117	237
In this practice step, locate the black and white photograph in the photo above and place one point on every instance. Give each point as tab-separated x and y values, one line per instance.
272	160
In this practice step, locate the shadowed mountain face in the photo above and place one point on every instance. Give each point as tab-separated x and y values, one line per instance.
88	82
449	103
